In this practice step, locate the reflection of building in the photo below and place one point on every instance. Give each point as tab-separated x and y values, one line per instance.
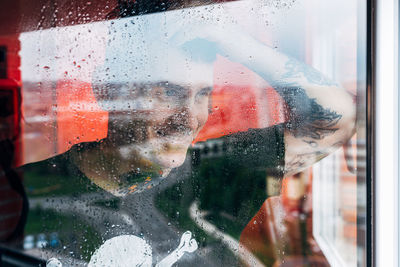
209	149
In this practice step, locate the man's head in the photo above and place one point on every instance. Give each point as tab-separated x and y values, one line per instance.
157	94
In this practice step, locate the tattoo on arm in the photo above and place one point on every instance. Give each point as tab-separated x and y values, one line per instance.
301	161
306	117
296	69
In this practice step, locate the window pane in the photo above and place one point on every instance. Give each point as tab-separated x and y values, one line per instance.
195	132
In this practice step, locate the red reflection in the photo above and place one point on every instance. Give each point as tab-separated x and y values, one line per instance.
79	118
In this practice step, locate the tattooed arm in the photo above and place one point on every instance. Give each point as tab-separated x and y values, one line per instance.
320	114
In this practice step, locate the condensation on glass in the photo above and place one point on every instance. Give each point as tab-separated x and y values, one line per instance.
196	133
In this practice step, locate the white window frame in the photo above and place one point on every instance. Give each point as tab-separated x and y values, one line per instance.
386	138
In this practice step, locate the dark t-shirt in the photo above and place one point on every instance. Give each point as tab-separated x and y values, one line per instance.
225	176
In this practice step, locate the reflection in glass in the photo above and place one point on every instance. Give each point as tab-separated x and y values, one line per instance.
186	136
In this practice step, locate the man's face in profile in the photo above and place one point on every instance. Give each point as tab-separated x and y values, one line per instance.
156	120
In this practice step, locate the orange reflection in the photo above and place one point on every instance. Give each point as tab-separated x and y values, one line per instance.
79	118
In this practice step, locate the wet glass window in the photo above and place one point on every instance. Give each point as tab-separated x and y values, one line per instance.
183	133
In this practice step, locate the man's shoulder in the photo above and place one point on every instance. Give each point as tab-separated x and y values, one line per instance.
45	165
56	175
59	162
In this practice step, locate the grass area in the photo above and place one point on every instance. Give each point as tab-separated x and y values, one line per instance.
44	185
74	234
226	225
55	177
